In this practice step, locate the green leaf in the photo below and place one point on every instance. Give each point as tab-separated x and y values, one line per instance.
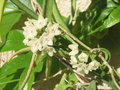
71	77
12	70
25	7
104	14
6	80
113	18
48	67
92	86
20	62
58	17
14	41
48	9
9	7
11	81
38	68
2	3
27	3
62	83
111	3
7	23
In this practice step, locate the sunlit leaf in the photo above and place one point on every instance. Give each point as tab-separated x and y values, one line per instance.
14	41
2	3
7	23
92	86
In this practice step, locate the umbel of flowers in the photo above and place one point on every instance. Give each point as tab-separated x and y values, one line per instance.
37	41
80	61
39	35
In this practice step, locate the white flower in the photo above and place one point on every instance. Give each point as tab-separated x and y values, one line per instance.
49	50
45	40
93	65
52	29
25	41
41	22
29	32
83	57
64	7
81	67
34	44
43	43
32	25
74	48
118	70
73	60
82	5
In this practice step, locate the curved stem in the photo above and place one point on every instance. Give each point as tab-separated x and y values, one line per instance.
24	8
110	70
19	52
90	49
76	39
28	73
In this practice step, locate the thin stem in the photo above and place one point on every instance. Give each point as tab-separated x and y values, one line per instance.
16	80
19	52
100	56
110	70
76	39
24	8
2	4
29	72
53	76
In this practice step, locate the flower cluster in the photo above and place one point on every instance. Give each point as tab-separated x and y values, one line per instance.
80	61
37	41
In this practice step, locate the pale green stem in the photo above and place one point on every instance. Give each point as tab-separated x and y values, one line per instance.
16	80
110	70
2	4
76	39
19	52
29	71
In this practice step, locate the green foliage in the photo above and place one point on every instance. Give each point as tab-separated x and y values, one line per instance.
48	9
58	17
92	86
14	41
97	26
1	8
7	23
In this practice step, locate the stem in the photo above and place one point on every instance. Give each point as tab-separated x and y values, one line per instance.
2	4
10	81
78	75
28	73
76	39
24	8
110	70
19	52
100	56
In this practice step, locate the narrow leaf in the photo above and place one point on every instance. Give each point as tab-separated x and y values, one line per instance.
7	23
2	3
48	9
58	17
14	41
